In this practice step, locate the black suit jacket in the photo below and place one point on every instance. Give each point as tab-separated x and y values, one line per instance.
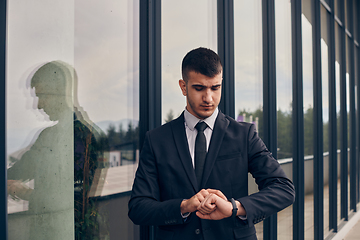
166	176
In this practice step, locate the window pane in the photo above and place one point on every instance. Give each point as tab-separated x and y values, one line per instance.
181	33
308	125
325	101
248	71
72	114
106	60
284	104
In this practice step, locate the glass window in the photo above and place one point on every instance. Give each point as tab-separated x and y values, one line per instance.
308	123
325	101
337	86
284	104
349	61
336	4
346	14
248	71
72	118
181	33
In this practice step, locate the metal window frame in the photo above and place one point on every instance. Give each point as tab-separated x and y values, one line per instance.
343	117
3	168
352	114
225	16
149	77
269	96
298	120
318	140
333	168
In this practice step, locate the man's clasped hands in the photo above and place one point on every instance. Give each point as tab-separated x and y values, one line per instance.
210	204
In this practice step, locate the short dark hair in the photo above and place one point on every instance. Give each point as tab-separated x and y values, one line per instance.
201	60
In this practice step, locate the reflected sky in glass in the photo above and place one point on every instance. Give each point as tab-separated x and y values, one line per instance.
307	62
248	56
181	33
104	54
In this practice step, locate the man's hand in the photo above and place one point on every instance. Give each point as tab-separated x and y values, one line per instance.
215	207
192	204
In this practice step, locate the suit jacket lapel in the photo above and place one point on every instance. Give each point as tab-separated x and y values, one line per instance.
219	130
178	128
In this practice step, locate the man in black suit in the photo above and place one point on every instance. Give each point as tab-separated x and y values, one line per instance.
192	179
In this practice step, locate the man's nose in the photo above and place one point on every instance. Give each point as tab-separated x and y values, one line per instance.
207	96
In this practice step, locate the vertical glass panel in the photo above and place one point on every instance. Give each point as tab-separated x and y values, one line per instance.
337	80
181	33
336	7
325	100
284	104
348	135
349	61
248	71
40	129
107	65
346	15
72	148
308	125
337	83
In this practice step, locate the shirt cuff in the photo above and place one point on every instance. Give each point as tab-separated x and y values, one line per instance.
185	215
243	217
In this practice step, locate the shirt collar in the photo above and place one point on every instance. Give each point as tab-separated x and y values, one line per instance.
191	120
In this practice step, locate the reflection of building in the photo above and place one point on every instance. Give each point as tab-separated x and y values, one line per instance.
242	118
114	179
114	158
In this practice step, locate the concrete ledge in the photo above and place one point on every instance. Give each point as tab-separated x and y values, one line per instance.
347	227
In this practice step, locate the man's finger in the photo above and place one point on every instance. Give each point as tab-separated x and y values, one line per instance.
217	192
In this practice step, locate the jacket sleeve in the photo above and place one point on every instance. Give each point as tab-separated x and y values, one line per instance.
145	205
276	191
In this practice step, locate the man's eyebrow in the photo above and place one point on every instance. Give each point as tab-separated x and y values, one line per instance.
199	85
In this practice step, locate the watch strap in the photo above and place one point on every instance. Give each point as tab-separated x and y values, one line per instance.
235	209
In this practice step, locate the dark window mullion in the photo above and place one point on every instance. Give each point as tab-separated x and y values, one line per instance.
343	119
269	99
332	123
225	10
298	121
318	125
352	108
149	77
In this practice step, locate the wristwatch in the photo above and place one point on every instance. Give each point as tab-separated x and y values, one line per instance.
235	209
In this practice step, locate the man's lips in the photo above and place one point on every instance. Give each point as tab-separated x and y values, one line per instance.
206	106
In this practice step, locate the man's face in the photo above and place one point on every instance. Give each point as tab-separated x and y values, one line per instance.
202	93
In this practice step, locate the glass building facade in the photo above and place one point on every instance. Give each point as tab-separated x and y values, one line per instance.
82	82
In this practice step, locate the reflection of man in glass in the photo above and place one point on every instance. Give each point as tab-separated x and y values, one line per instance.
192	179
62	155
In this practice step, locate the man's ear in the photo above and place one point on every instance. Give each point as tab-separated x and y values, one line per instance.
182	85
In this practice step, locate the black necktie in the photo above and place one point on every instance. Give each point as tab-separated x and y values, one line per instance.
200	150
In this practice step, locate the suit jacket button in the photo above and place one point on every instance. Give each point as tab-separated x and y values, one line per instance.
197	231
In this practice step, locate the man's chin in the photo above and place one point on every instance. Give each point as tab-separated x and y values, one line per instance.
205	114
